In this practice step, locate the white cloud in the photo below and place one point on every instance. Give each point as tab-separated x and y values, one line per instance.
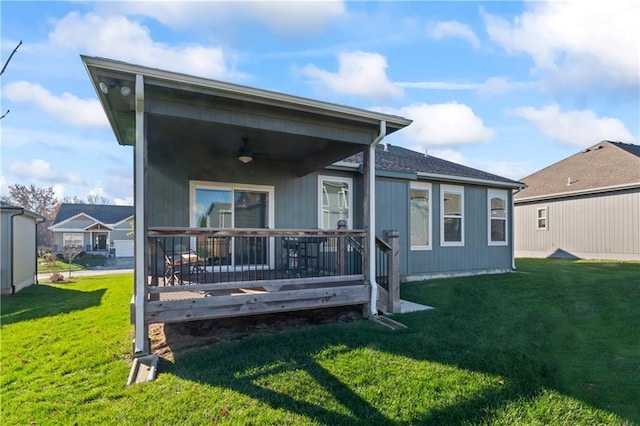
359	73
119	38
576	42
508	169
66	107
455	29
577	128
41	170
492	86
442	124
305	17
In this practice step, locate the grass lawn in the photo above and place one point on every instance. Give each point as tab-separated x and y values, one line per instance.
556	343
79	264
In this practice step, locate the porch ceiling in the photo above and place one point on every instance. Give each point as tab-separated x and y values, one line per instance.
204	118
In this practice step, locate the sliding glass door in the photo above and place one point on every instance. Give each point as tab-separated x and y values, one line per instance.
216	205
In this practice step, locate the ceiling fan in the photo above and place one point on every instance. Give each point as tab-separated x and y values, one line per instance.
246	154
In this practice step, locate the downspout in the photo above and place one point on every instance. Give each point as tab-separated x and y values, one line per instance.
13	287
513	226
372	217
36	238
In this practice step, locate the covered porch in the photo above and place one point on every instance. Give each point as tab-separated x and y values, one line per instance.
200	146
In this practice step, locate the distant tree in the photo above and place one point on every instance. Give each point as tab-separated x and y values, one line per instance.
40	200
91	199
96	199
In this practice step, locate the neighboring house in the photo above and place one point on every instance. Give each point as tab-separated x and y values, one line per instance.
18	253
97	228
239	191
585	206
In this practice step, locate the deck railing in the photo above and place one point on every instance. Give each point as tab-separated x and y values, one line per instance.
209	256
388	272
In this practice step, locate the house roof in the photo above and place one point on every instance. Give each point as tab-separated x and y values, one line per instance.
103	213
605	166
4	206
400	160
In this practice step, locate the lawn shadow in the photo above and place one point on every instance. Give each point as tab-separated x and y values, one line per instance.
249	366
57	300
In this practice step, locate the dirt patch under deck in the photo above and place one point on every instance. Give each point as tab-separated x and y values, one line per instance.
169	339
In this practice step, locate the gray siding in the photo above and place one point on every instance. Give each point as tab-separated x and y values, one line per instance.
602	226
392	212
17	268
296	198
5	253
296	206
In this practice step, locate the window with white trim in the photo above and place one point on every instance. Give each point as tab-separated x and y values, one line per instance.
334	201
541	218
420	215
228	205
452	223
497	217
73	239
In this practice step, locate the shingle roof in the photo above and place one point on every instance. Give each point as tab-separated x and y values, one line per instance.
397	159
105	213
604	165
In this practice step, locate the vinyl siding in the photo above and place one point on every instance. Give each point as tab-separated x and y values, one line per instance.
600	226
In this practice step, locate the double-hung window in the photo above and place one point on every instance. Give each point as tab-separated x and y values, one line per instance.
541	218
497	217
452	223
420	215
73	239
335	201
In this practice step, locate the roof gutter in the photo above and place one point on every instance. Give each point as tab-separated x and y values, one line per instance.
373	304
462	179
580	192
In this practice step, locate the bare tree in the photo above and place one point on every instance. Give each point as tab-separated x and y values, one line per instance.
91	199
39	200
4	67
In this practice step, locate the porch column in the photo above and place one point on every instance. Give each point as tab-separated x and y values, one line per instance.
141	339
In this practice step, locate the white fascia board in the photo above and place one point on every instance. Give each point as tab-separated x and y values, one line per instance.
123	220
54	227
475	181
580	192
220	88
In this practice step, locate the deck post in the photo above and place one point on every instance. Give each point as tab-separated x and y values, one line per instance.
393	270
141	345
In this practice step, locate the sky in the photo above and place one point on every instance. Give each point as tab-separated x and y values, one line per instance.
505	87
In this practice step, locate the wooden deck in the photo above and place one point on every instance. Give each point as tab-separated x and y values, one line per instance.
206	301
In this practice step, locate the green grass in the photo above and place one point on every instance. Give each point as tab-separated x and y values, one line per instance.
79	264
556	343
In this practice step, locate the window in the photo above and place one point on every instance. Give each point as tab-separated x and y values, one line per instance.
72	239
420	215
497	215
542	218
335	201
452	224
222	205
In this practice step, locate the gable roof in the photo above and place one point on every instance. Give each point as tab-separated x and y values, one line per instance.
605	166
103	213
395	159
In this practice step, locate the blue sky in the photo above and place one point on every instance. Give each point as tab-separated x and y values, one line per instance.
506	87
